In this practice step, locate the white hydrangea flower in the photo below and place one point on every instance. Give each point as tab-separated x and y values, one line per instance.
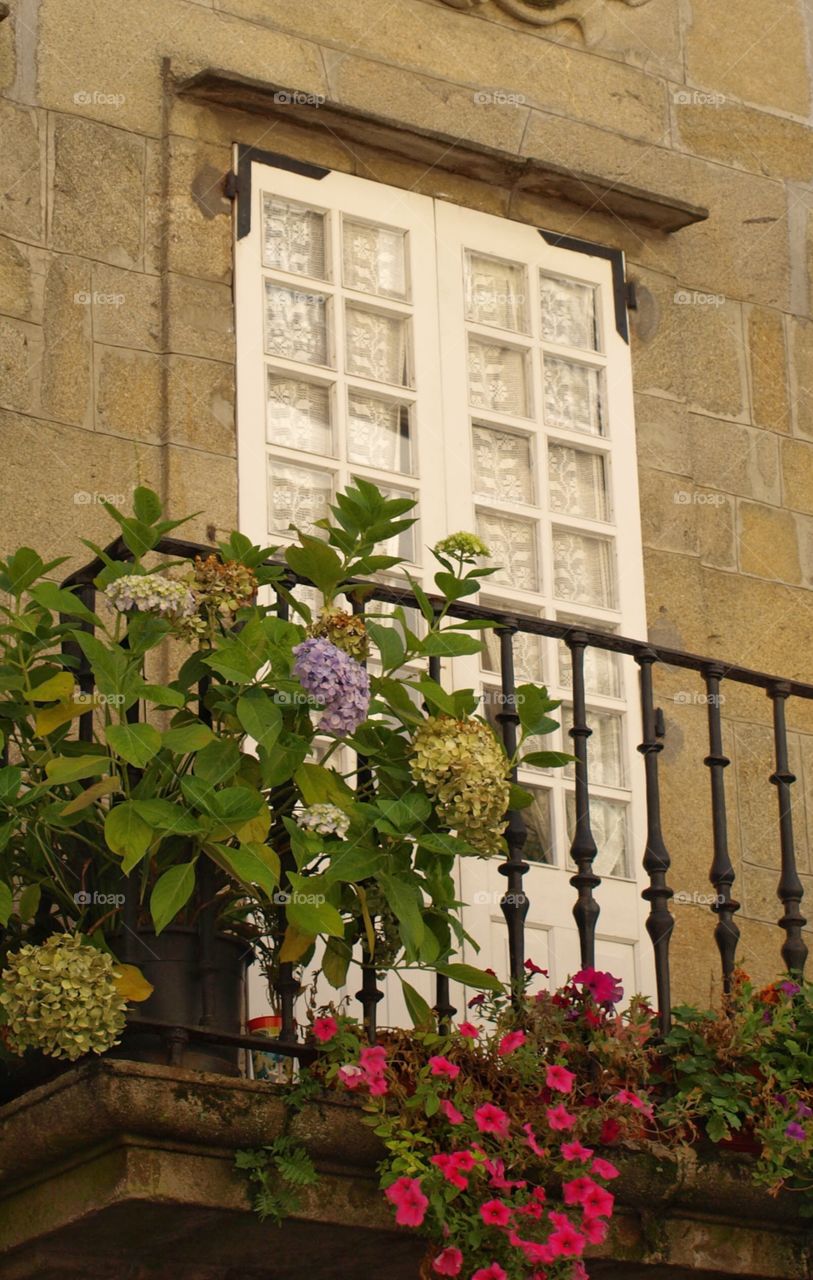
150	593
324	820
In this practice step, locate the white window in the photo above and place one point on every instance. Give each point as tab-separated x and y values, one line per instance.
466	361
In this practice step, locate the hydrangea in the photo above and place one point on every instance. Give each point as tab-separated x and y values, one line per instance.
324	819
223	587
346	630
465	545
337	681
150	593
62	998
462	766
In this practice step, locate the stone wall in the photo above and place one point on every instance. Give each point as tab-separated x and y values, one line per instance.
116	319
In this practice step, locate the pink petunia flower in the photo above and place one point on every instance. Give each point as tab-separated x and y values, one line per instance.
325	1029
492	1272
534	968
595	1229
351	1076
373	1060
567	1242
597	1203
559	1078
560	1118
451	1112
491	1119
536	1252
496	1176
450	1170
440	1066
495	1214
377	1086
469	1030
603	1169
576	1190
579	1272
410	1202
633	1100
575	1151
449	1262
603	987
533	1141
511	1040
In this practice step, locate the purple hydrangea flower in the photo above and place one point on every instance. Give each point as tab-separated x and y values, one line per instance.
790	988
796	1131
337	681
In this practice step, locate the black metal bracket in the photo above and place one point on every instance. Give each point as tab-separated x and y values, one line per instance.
615	257
238	186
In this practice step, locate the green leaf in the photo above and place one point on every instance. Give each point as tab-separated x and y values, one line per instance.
110	666
518	797
260	716
455	588
470	976
315	560
405	899
239	658
247	866
104	787
436	698
533	704
218	762
171	893
146	505
279	765
24	567
11	778
404	815
75	768
6	903
127	834
448	644
135	743
352	865
57	689
319	785
187	737
162	695
29	901
389	643
60	600
547	759
336	961
314	917
163	815
417	1008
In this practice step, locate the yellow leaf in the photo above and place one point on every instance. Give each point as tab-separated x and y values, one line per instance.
294	945
255	830
104	787
60	686
131	983
50	718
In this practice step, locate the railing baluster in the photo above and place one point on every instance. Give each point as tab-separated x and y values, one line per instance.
285	985
789	891
514	903
207	887
726	932
369	996
583	850
660	921
444	1009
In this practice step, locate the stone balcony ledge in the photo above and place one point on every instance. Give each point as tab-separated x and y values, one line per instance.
121	1169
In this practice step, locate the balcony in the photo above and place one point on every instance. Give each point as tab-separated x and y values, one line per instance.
119	1167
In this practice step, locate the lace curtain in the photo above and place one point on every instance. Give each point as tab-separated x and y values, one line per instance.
578	483
374	260
568	313
296	324
293	238
297	495
608	822
502	465
376	346
495	292
299	414
498	378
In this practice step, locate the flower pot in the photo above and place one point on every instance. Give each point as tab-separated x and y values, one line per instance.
171	962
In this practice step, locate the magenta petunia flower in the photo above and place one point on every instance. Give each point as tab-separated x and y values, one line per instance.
795	1131
567	1242
492	1272
633	1100
575	1191
597	1203
449	1262
595	1229
410	1202
575	1151
533	1141
604	988
491	1119
451	1112
495	1213
559	1078
534	968
560	1118
351	1076
440	1066
469	1030
511	1040
603	1169
325	1029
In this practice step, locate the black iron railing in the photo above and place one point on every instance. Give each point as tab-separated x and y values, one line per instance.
583	850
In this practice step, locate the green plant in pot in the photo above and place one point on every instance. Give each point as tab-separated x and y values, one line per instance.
234	761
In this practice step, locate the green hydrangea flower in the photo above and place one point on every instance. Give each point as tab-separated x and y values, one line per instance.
465	545
346	630
61	998
463	768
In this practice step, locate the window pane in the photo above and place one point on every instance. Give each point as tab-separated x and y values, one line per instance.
295	324
572	397
498	378
374	259
378	432
293	237
604	753
297	495
608	822
528	654
582	568
495	292
502	465
376	346
512	544
578	482
569	313
601	670
299	414
538	843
